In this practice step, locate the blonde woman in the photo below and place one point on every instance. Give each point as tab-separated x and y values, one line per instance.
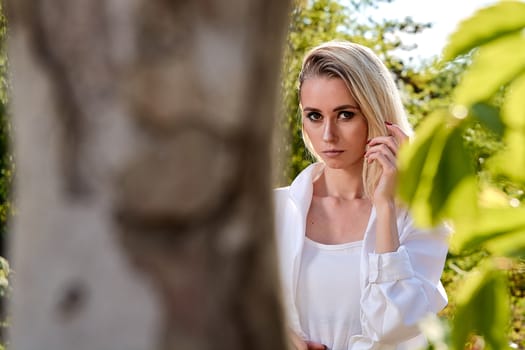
356	272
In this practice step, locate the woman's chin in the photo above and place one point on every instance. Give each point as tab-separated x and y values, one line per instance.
334	164
337	164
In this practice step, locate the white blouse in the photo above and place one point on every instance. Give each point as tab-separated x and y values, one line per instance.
328	292
397	289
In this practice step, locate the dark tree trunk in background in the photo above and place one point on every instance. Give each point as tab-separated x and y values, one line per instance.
142	141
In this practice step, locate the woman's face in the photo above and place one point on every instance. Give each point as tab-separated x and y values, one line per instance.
333	122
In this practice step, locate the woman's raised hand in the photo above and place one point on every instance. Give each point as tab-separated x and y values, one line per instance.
383	149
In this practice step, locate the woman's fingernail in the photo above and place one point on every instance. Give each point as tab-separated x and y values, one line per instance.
388	123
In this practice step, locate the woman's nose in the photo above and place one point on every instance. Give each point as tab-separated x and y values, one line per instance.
329	132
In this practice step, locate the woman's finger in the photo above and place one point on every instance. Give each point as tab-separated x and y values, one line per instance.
397	132
315	346
381	148
387	161
388	141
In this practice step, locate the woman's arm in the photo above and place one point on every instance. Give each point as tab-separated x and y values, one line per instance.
383	150
402	284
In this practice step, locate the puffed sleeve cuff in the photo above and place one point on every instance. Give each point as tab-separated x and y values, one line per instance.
388	267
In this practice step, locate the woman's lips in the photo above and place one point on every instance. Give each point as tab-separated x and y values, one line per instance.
332	153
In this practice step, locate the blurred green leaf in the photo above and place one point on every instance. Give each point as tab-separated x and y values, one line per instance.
486	25
489	117
454	189
418	163
487	288
511	161
489	224
437	172
513	108
483	78
510	244
412	156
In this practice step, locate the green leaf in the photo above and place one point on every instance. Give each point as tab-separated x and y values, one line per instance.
418	165
513	109
486	25
509	244
454	188
486	288
489	224
483	78
489	117
511	161
412	156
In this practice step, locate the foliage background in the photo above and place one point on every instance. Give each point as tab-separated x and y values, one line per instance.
428	88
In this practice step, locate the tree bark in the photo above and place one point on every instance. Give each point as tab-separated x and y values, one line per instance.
142	143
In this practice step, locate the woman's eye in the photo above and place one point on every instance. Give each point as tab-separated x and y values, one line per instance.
346	115
314	116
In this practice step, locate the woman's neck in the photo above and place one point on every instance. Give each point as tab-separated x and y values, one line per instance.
340	183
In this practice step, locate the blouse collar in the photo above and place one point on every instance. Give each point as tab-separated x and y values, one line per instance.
301	189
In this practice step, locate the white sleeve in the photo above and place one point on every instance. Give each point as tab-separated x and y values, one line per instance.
403	286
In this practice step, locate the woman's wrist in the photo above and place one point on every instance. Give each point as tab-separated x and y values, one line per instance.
384	204
387	239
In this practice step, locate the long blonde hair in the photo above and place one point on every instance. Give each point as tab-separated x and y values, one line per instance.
370	84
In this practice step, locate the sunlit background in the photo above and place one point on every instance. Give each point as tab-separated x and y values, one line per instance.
444	15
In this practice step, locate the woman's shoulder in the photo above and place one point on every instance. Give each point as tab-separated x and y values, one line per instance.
281	190
302	182
280	194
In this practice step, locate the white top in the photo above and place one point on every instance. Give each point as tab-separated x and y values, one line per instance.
397	289
328	292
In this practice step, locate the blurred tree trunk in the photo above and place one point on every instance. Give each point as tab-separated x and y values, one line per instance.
142	141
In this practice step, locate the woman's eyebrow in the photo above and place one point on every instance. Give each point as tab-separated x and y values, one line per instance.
343	107
336	109
311	109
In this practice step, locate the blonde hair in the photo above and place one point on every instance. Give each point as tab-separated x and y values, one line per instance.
370	84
